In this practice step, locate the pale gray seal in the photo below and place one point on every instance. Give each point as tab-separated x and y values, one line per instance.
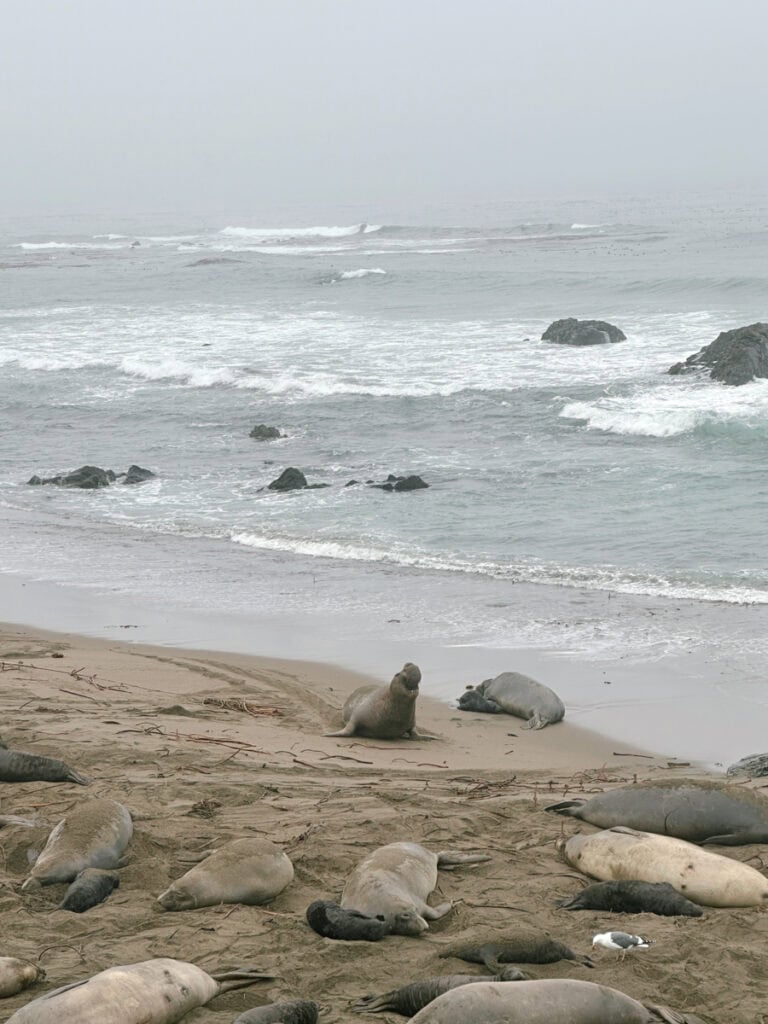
93	835
699	812
18	766
292	1011
384	712
414	997
706	878
333	922
632	898
394	882
513	693
250	871
16	975
526	948
90	888
152	992
542	1002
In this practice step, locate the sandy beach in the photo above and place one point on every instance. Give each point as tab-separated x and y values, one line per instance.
205	747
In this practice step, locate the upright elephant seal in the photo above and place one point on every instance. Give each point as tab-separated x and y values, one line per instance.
700	812
526	948
152	992
632	898
16	975
512	693
292	1011
384	712
250	871
542	1002
94	835
411	998
706	878
332	922
394	882
18	766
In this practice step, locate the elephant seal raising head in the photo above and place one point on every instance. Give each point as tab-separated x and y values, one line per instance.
384	712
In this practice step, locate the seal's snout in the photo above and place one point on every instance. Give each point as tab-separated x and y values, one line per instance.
410	675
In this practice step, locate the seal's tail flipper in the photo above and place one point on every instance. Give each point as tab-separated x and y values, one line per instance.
242	977
73	776
672	1016
568	807
448	859
743	838
348	730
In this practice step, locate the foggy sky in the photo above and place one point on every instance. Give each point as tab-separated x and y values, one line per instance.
135	105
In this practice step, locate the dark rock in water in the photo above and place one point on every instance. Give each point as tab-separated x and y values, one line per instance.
264	433
92	477
734	357
137	475
582	332
290	479
754	765
401	483
210	261
351	483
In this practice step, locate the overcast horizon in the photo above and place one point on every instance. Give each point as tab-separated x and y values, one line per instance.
251	106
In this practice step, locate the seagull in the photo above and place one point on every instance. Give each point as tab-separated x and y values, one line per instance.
621	941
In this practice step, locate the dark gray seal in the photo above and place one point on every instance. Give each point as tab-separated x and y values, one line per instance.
699	812
384	712
409	999
519	949
632	898
754	765
512	693
91	887
18	766
292	1011
333	922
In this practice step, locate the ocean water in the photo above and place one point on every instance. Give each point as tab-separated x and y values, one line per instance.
378	342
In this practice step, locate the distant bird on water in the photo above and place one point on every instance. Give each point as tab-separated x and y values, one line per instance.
620	941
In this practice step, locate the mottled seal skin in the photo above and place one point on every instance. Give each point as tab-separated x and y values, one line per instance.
250	871
90	888
158	991
394	882
699	812
333	922
411	998
384	712
16	975
754	765
633	898
519	949
542	1002
707	878
515	694
18	766
93	835
292	1011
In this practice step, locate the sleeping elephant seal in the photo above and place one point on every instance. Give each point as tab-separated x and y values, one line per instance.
90	888
515	694
411	998
292	1011
384	712
152	992
542	1002
93	835
530	948
17	766
700	812
250	871
706	878
16	975
394	882
332	922
632	898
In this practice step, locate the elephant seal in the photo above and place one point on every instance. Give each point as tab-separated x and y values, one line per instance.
706	878
632	898
16	975
512	693
158	991
384	712
17	766
90	888
755	765
332	922
531	948
394	882
699	812
93	835
292	1011
250	871
542	1002
411	998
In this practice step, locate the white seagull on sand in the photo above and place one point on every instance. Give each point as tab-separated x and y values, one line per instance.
620	941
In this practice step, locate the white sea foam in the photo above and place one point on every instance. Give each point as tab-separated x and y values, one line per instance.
177	370
288	233
350	275
64	245
112	236
585	227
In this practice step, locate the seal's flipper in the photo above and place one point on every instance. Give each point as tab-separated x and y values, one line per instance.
435	913
74	776
742	838
348	730
240	978
448	859
568	807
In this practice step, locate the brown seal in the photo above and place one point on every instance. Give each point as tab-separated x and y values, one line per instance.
384	712
526	948
409	999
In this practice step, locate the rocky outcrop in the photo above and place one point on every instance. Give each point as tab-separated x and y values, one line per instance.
293	479
582	332
92	477
734	357
401	483
261	432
